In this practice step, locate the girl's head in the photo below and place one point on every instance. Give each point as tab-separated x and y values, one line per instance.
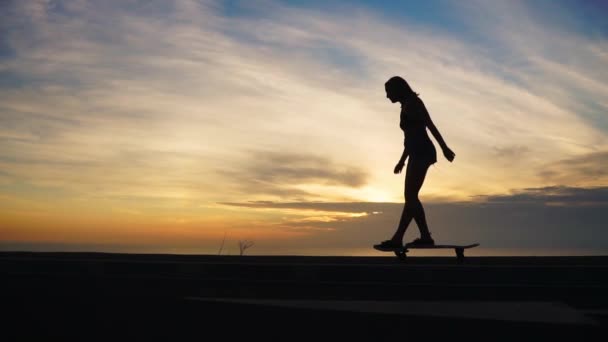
397	89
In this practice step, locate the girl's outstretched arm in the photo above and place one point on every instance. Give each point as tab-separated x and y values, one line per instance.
449	154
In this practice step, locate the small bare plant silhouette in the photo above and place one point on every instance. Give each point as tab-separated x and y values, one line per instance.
243	245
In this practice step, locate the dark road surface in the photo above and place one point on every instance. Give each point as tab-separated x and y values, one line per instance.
97	296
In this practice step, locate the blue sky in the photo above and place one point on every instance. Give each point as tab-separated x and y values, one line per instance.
159	123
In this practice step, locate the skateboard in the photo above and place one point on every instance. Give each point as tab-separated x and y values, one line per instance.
401	253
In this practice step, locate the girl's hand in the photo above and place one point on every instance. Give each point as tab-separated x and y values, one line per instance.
449	154
398	167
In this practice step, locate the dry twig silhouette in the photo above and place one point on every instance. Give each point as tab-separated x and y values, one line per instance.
243	245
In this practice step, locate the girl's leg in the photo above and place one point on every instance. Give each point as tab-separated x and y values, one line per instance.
414	178
420	219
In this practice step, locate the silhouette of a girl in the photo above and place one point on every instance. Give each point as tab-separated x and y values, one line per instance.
415	119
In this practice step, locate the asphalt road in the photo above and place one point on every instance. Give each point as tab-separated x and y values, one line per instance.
96	296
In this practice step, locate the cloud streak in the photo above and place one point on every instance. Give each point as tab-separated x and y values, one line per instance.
587	169
282	174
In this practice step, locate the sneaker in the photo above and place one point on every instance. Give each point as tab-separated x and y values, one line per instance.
388	245
422	242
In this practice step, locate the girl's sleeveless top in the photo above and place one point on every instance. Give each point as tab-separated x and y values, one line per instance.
416	141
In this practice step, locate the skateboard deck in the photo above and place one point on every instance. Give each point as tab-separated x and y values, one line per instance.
401	253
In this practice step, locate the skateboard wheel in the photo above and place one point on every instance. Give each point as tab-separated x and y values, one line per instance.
401	255
459	255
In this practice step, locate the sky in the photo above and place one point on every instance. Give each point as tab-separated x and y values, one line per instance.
187	126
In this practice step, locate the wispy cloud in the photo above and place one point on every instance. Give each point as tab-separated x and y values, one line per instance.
583	170
185	78
286	175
